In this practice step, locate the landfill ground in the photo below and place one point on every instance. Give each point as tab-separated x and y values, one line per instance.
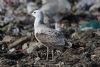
19	47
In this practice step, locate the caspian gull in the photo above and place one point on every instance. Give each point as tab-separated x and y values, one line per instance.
51	38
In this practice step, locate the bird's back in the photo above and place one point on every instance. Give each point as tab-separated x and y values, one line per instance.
49	37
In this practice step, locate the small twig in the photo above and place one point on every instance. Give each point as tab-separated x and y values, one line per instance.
19	41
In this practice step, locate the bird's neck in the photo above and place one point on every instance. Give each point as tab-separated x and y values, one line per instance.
38	21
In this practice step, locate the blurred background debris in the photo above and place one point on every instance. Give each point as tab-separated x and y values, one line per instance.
78	20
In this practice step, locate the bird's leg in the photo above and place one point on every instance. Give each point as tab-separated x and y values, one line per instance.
52	55
47	53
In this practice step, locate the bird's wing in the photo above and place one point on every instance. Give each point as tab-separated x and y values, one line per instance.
51	36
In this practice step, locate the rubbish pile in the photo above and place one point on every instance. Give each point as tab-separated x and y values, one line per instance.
20	48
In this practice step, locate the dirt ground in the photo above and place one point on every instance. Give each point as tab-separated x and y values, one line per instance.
19	47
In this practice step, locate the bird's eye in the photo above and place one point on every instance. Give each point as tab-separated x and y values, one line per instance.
34	12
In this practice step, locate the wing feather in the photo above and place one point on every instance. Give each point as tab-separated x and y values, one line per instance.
51	36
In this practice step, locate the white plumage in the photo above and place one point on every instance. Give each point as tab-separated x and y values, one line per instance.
49	37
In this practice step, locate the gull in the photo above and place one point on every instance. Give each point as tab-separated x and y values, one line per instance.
51	38
55	9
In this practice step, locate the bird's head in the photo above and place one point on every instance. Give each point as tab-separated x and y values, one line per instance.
37	13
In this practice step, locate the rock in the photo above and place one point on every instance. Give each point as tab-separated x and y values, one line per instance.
25	46
8	39
11	50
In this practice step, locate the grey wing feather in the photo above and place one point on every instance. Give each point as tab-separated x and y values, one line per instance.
51	36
